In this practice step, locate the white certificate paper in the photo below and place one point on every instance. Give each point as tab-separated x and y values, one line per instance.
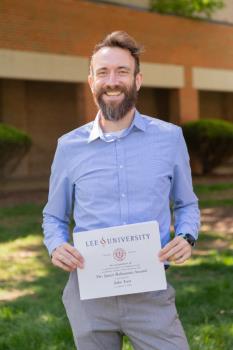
120	260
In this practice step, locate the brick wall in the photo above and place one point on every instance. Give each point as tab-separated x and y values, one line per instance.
45	110
214	104
73	27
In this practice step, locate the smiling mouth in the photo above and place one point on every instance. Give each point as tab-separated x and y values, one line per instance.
113	93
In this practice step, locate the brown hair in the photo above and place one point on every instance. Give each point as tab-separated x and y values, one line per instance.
124	41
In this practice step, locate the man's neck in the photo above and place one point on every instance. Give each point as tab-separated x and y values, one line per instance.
111	126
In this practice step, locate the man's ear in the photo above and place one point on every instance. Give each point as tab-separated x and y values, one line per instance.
138	80
90	81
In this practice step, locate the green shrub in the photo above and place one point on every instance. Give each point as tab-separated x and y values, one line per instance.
14	144
187	8
210	142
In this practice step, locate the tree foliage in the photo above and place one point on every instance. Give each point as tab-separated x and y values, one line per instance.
14	144
187	8
209	141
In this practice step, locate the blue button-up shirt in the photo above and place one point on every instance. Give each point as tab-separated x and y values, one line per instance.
117	181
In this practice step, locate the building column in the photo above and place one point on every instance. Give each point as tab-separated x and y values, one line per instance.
13	108
174	108
86	109
14	113
188	99
228	106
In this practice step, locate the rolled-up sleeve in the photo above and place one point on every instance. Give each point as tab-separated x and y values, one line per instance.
185	202
57	212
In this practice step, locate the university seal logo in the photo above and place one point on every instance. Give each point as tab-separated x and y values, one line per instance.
119	254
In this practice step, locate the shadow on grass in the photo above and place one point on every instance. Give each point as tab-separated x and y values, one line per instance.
20	221
211	237
204	301
38	321
22	209
204	188
211	203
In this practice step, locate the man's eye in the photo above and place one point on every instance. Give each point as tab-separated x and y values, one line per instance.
101	74
123	72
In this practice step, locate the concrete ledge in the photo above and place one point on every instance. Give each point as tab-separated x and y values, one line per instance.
163	75
53	67
212	79
42	66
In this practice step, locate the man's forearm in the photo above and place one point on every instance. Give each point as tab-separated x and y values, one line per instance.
187	219
56	232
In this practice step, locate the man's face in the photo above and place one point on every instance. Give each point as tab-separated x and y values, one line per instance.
113	82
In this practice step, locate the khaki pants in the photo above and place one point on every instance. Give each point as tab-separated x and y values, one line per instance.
149	319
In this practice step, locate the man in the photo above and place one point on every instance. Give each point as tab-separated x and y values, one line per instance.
123	168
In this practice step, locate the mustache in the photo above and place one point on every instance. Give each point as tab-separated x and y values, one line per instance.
117	88
116	111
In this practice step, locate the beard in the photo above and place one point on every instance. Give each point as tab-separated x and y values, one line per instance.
115	111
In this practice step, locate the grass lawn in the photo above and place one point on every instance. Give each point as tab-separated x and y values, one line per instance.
31	312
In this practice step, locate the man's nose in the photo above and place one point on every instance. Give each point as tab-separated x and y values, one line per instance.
112	79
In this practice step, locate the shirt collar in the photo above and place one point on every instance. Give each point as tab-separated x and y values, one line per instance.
96	131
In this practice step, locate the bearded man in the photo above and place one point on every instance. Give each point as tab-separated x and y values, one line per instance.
122	168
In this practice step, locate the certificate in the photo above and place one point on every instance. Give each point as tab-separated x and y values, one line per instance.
120	260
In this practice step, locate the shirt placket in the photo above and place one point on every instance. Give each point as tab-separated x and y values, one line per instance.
121	170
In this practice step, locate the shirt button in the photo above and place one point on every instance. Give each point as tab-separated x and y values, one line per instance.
123	195
121	166
124	223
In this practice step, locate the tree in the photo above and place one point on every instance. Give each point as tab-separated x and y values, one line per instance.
187	8
210	143
14	144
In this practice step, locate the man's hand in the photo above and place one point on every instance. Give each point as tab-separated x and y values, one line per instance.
178	250
67	258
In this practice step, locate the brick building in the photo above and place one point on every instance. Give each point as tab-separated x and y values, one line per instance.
44	52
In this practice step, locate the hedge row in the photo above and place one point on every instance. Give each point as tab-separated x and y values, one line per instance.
14	144
209	141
